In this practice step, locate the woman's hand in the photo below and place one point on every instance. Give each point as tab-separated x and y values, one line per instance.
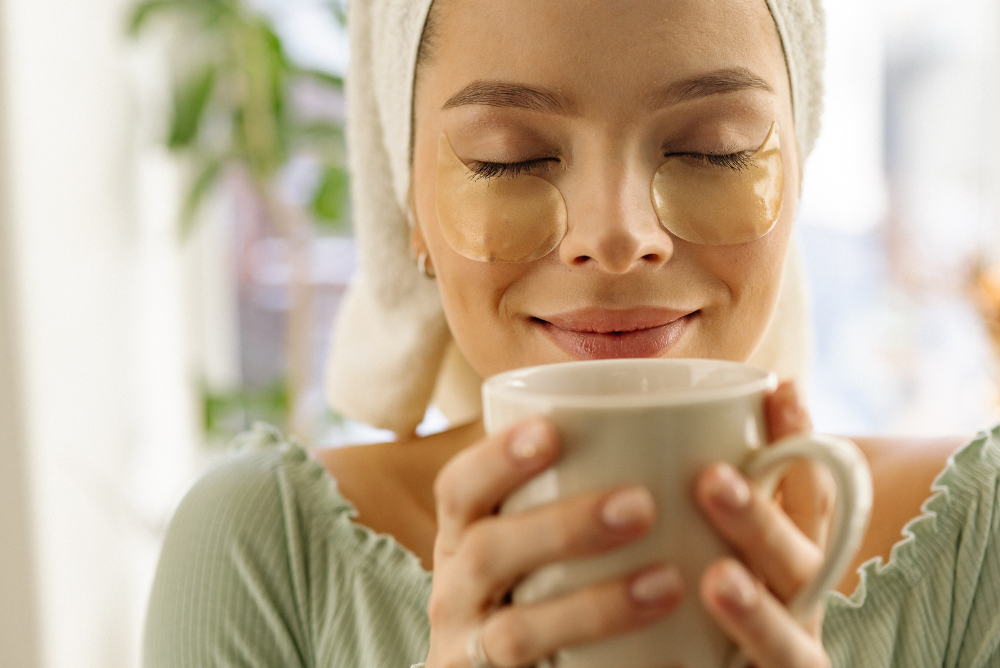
780	539
479	556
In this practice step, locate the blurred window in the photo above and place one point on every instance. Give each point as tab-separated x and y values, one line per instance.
900	219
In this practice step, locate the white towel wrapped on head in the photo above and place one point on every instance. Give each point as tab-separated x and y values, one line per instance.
391	349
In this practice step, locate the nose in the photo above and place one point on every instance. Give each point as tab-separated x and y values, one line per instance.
612	224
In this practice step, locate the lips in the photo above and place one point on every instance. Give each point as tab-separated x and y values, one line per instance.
590	334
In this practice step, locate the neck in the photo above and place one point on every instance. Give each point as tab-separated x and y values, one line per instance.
392	484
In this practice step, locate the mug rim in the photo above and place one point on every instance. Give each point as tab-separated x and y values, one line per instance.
501	385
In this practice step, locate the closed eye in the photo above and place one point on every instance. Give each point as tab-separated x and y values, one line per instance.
734	161
492	170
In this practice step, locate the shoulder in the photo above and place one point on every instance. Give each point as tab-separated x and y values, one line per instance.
233	574
903	470
263	565
934	601
261	482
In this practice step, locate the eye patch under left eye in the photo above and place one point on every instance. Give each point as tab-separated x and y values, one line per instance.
501	219
719	205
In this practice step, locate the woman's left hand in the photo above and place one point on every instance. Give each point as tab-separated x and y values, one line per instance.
780	541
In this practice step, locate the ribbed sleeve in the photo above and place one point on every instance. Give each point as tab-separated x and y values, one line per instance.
262	567
937	601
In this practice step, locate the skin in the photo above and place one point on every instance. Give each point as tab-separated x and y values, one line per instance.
437	495
615	254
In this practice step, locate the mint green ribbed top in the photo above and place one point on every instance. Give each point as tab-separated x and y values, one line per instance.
264	567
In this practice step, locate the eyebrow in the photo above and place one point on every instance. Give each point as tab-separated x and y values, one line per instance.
531	98
718	82
506	94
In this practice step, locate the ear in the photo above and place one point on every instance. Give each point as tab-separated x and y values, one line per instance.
418	244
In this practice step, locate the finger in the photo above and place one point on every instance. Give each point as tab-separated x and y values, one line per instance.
785	413
521	635
756	621
757	527
498	551
807	494
476	480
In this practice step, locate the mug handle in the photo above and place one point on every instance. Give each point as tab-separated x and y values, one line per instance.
851	512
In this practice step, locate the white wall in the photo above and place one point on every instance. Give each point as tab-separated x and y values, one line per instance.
104	388
18	593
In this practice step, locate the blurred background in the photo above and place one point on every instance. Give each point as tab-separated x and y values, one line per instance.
175	238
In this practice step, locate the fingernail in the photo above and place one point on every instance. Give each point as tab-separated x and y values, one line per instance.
729	488
737	591
530	441
628	508
656	585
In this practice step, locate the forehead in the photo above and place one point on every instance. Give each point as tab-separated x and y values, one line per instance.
609	48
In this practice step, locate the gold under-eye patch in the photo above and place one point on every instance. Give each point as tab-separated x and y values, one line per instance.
501	219
720	205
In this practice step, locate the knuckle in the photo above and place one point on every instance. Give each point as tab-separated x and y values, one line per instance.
476	555
446	496
812	561
817	488
437	608
507	641
803	569
819	658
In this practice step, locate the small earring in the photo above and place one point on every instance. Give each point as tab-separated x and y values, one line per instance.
424	268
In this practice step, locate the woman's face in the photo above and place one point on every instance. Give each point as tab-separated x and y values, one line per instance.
596	94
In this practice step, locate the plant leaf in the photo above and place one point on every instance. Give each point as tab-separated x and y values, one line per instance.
144	10
330	200
339	11
211	10
227	412
190	100
261	118
320	137
319	76
202	184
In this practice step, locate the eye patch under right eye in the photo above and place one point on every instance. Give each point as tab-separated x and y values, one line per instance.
501	219
721	205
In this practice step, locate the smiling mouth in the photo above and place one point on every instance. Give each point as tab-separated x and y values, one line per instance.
592	334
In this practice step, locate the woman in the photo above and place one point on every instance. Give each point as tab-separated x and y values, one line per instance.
267	562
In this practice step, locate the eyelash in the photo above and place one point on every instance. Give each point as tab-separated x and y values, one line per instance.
734	161
492	170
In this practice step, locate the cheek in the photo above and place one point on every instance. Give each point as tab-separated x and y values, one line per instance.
752	275
473	297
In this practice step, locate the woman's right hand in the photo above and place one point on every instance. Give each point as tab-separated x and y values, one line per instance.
479	556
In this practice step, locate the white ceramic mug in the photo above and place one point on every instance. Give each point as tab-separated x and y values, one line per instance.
657	423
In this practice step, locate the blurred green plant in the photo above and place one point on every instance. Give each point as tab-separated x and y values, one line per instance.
228	412
233	107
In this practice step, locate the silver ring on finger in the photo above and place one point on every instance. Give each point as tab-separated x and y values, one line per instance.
474	647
